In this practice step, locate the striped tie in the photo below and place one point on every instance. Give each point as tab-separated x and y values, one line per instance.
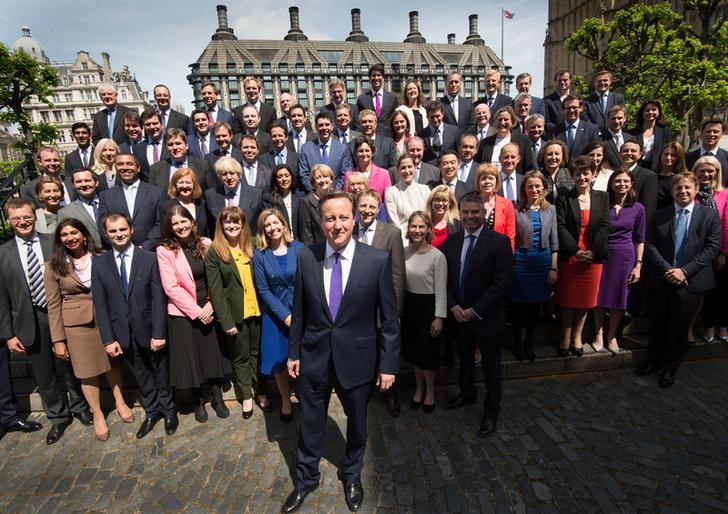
35	278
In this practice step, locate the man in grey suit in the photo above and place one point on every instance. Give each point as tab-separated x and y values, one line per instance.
24	325
424	173
170	117
86	207
457	110
467	147
509	158
383	145
109	121
344	119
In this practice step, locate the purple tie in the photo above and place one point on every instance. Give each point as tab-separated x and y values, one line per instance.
377	104
335	286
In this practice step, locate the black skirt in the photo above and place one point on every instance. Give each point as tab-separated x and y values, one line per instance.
419	347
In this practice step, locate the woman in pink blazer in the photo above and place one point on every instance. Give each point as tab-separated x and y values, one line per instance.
378	177
195	356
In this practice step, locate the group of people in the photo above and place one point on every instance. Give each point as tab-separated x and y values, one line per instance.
242	245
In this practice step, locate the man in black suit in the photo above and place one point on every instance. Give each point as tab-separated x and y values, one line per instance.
175	141
138	200
24	321
133	130
210	94
483	128
710	133
337	92
382	102
83	156
467	147
479	270
223	135
523	86
251	125
554	102
280	153
509	158
255	173
615	135
437	135
457	109
645	180
300	132
9	420
448	165
599	103
131	312
200	140
231	190
681	244
522	104
109	121
535	126
48	161
266	112
493	98
424	173
285	101
170	117
575	132
152	149
343	335
383	145
344	124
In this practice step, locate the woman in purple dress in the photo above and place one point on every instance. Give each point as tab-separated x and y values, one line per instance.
622	267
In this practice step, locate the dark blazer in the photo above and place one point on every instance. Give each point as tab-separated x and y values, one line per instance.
568	215
611	152
662	135
486	283
176	119
519	179
146	211
269	159
537	106
139	150
310	136
250	202
364	337
226	289
73	161
16	305
389	238
466	118
193	141
214	155
339	160
449	140
100	128
593	108
486	146
146	310
262	176
389	104
267	114
76	210
701	247
269	202
586	133
331	109
309	220
200	215
720	154
554	116
274	285
646	186
384	153
501	100
160	173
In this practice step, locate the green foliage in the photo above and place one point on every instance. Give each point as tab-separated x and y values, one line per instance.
7	167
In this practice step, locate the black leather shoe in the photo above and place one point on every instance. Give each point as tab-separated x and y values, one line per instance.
85	417
56	432
460	401
354	495
23	425
667	379
487	426
171	423
295	499
147	426
647	368
200	414
221	410
393	406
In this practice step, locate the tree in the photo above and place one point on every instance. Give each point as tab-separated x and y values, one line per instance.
654	53
22	77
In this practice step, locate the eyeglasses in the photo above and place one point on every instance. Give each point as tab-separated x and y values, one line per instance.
18	219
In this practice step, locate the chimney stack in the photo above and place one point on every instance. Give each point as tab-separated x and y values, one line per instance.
106	66
451	38
356	35
414	35
473	38
295	33
223	31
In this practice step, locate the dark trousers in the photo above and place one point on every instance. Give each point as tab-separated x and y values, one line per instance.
671	309
314	404
715	303
151	372
57	406
490	350
8	402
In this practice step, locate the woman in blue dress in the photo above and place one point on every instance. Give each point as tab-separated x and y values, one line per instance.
274	264
535	259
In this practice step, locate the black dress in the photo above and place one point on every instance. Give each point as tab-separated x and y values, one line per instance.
195	355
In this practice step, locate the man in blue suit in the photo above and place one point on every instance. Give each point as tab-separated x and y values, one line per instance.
600	102
201	141
131	312
342	294
138	200
574	131
210	93
324	150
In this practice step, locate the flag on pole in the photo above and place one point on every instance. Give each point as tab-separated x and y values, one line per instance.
508	14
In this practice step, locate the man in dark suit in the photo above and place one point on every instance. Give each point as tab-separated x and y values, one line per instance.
493	98
682	242
437	135
344	333
251	125
382	102
710	133
448	165
9	420
467	147
483	128
231	190
457	109
344	120
255	173
383	145
424	173
599	103
575	132
509	158
201	141
24	321
300	132
85	208
175	141
480	266
337	92
133	130
170	117
535	125
522	106
615	135
83	156
223	135
280	152
109	121
505	121
324	150
645	183
523	85
152	150
210	93
131	312
138	200
48	161
553	103
266	112
285	102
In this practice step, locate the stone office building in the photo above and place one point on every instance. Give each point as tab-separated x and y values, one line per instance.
303	67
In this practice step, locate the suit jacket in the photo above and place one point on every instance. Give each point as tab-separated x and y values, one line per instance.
449	141
486	282
140	152
72	161
501	100
339	160
176	119
250	201
160	174
267	114
538	106
146	211
486	146
194	144
549	229
720	154
226	289
593	108
519	179
262	175
585	134
701	247
16	306
269	159
466	118
568	215
76	210
140	318
611	152
331	109
389	104
554	116
214	155
178	282
275	285
353	134
646	186
100	128
309	220
296	197
364	336
389	238
69	304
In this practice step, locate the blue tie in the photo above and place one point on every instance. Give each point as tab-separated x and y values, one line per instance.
335	286
110	122
570	137
324	155
466	262
123	276
681	233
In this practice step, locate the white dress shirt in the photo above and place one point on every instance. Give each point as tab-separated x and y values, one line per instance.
130	193
346	256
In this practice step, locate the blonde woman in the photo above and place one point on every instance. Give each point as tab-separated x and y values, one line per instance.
442	208
105	154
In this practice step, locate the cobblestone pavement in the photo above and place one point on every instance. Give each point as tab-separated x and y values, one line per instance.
591	442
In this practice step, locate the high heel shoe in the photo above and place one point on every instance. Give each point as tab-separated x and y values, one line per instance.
129	419
576	351
563	352
104	436
414	405
427	409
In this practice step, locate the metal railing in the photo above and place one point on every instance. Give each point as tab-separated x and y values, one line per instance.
10	186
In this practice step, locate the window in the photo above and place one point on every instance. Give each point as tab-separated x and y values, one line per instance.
86	79
299	66
266	67
393	56
69	114
231	67
62	136
285	84
84	65
68	97
330	56
248	66
332	68
45	117
123	94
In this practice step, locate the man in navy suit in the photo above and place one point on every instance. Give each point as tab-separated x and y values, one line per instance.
280	152
523	85
457	109
710	134
575	132
223	135
170	117
209	93
493	98
300	132
83	156
231	190
152	150
448	165
266	112
175	141
324	150
479	270
553	103
131	312
614	135
681	244
201	141
337	92
109	121
133	130
599	103
437	135
344	334
382	102
138	200
255	173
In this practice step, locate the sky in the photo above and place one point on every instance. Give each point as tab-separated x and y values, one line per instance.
159	40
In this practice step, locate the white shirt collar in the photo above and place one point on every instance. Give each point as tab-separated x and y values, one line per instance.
476	233
689	208
347	253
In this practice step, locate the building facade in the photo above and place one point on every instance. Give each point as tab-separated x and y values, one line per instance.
303	67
